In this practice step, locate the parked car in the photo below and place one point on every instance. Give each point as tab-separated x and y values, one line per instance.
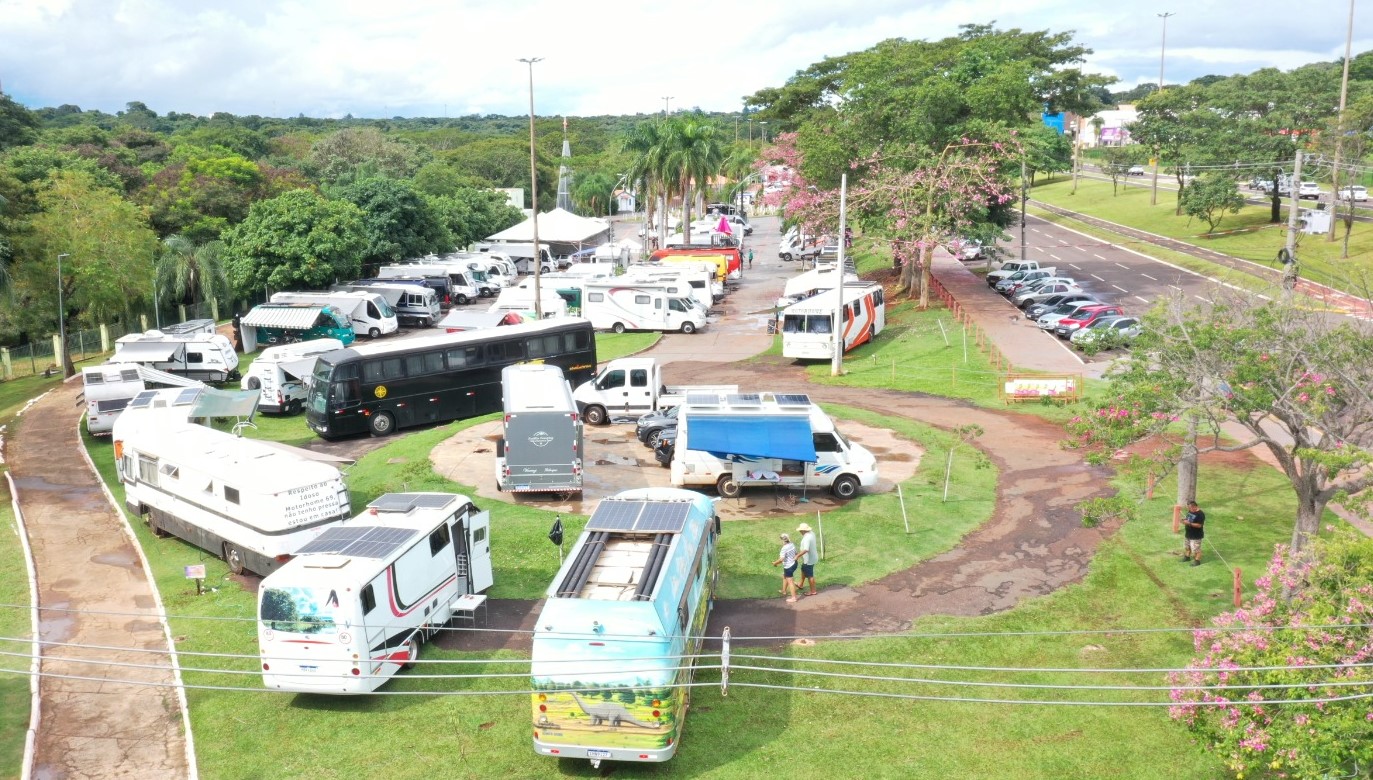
663	450
1042	292
1005	286
1356	192
967	249
1036	310
1262	185
652	425
1066	326
1309	189
1050	318
1114	330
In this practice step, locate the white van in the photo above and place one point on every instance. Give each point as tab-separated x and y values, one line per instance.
281	374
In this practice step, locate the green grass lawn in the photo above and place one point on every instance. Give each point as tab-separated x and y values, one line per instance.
1247	235
15	628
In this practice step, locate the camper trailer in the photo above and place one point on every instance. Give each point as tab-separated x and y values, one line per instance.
765	439
540	450
354	605
520	298
368	312
612	304
281	374
208	357
108	389
251	502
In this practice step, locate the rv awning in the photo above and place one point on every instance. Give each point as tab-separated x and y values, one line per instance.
146	351
225	403
289	317
300	369
788	437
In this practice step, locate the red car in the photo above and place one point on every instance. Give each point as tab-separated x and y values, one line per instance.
1065	327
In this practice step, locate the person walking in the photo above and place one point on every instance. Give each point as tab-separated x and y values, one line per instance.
787	560
809	557
1193	533
750	258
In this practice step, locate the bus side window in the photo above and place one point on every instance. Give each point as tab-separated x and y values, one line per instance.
433	362
439	539
391	368
514	350
495	353
414	365
369	599
578	340
371	371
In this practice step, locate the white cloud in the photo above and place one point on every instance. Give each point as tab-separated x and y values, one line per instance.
419	57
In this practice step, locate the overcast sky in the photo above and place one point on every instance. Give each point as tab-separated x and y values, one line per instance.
367	58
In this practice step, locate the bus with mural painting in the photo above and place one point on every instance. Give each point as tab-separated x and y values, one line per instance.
808	328
614	647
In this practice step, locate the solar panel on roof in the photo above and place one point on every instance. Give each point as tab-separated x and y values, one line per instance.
361	541
394	502
639	516
128	374
186	396
702	399
434	501
614	515
143	399
792	399
663	518
333	540
745	399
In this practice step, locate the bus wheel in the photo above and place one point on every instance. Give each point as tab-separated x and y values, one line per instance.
153	526
727	486
618	327
382	424
374	333
688	328
234	557
846	486
595	415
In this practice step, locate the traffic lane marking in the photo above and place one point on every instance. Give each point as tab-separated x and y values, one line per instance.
1142	300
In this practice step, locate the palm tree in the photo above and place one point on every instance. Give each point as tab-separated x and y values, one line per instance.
648	142
695	156
187	271
593	191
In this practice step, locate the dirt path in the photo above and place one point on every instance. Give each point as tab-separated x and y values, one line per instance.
91	728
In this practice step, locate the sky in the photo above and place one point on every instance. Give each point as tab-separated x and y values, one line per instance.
330	58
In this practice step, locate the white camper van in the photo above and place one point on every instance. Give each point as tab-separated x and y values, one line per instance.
414	304
765	439
540	450
694	283
281	374
208	357
251	502
354	605
369	312
616	305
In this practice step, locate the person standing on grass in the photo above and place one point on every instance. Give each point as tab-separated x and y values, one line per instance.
809	557
1193	533
787	560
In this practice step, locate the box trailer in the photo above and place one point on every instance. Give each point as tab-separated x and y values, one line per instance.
251	502
612	304
281	374
368	312
354	605
540	450
765	439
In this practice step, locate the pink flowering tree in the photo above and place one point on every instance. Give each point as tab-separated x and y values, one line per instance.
1283	687
919	200
814	210
1296	381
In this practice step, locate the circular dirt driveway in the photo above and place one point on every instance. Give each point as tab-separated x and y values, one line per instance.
615	461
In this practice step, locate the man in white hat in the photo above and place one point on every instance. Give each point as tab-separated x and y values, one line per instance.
808	557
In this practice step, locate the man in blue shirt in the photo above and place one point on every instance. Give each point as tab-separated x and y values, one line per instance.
1192	534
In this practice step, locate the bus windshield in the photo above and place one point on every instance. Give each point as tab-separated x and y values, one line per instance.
300	610
318	399
806	323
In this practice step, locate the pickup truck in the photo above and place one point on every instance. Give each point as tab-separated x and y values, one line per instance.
628	388
1009	268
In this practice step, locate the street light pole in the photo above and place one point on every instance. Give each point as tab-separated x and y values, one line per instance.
764	125
1339	130
667	104
1162	50
534	192
837	331
61	317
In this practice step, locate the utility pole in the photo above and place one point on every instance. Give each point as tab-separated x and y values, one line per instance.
667	104
1077	152
837	331
1289	253
534	194
1162	52
1339	128
1024	198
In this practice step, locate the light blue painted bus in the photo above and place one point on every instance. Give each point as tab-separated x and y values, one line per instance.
614	647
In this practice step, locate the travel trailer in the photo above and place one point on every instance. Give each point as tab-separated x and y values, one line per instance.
353	606
281	374
284	323
540	449
208	357
108	389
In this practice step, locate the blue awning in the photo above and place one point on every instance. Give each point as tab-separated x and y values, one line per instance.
766	436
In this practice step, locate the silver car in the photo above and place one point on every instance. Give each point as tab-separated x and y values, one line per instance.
1115	330
1044	291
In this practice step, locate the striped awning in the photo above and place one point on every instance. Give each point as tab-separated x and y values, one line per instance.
289	317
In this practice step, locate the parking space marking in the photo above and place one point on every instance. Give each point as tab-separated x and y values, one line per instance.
1122	265
1098	278
1147	276
1118	287
1142	300
1035	230
1099	257
1076	266
1202	298
1175	287
1065	346
1080	249
1054	256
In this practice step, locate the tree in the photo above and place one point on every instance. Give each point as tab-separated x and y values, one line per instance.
187	271
359	153
592	192
1209	197
1046	150
18	125
471	214
648	145
694	156
295	240
399	222
108	250
202	192
1117	161
1302	736
1297	382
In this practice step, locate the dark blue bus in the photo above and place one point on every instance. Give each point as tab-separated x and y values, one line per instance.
379	388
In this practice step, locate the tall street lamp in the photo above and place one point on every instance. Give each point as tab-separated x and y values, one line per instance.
667	104
61	317
1162	51
763	123
534	192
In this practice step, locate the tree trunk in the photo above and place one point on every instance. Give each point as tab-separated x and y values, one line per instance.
1309	510
1275	215
686	214
1187	464
926	257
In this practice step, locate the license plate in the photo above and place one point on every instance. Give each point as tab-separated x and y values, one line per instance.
597	753
309	668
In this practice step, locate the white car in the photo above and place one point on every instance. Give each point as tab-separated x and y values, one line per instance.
1309	189
1356	193
1135	170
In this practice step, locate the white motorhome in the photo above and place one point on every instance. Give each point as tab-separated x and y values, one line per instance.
463	285
254	503
709	268
354	605
695	283
617	305
281	374
108	389
765	439
368	312
493	271
540	450
809	329
522	255
414	304
628	387
813	282
208	357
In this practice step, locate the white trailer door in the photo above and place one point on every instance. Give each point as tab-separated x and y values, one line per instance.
479	545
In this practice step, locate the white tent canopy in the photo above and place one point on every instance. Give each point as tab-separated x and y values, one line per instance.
557	226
